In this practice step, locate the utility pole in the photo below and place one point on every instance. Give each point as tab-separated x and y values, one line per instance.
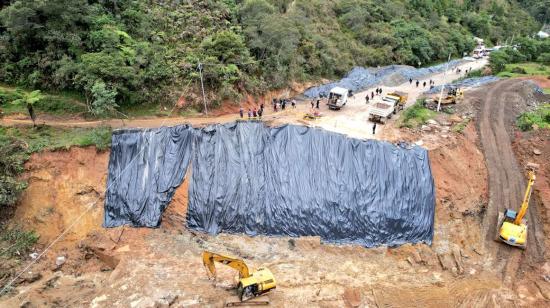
443	85
202	87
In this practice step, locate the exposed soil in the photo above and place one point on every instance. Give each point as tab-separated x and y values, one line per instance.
156	264
463	267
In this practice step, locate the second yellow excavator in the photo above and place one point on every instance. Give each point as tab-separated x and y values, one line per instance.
251	284
512	228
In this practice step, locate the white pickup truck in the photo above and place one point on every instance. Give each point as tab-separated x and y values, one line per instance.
337	98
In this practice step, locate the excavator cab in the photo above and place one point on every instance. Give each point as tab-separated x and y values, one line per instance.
510	233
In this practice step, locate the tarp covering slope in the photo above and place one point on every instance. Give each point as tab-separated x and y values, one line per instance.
299	181
289	180
145	168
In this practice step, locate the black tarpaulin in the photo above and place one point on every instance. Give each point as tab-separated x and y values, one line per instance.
298	181
290	180
145	168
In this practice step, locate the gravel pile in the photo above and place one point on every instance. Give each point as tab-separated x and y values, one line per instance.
361	78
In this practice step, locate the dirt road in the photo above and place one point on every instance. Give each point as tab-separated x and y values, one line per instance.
351	120
497	111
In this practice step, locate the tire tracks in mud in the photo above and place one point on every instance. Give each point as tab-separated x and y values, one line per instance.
506	178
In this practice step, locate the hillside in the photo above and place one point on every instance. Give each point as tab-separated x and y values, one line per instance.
125	52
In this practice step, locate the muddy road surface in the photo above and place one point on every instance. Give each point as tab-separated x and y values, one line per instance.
499	106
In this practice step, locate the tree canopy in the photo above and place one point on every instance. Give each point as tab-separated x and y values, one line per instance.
129	52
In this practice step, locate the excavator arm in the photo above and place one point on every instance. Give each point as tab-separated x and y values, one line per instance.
526	197
208	259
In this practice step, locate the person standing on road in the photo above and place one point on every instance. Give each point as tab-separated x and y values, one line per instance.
424	84
293	103
312	104
417	83
254	113
374	128
367	99
260	111
262	107
241	112
372	95
410	81
318	102
249	113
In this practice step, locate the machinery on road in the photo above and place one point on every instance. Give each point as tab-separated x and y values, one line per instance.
398	99
512	227
454	96
251	284
337	98
391	104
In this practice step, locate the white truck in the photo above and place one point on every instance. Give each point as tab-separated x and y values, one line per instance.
381	112
337	98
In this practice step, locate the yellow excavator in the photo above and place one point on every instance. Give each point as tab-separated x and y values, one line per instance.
251	284
512	228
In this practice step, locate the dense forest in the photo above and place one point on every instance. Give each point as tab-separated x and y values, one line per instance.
116	52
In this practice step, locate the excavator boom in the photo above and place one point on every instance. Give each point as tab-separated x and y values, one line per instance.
526	197
208	259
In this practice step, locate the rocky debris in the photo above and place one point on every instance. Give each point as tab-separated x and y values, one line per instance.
352	297
457	255
544	289
432	122
446	262
30	277
59	261
426	128
537	151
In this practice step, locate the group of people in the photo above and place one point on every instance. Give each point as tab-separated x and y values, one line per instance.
253	112
278	104
315	103
431	83
281	104
372	93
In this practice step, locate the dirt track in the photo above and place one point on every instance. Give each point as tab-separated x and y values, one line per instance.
498	109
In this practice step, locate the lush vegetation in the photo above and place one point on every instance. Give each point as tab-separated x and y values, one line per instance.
15	242
124	53
539	118
524	69
417	115
525	50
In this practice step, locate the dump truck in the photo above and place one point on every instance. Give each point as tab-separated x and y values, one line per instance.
337	98
391	104
381	112
399	99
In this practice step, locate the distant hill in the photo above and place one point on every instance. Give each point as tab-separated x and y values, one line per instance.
136	52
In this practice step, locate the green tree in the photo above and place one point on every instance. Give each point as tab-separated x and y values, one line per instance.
498	60
104	99
28	99
544	58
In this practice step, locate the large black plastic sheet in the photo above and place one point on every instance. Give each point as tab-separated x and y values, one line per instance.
290	180
298	181
145	168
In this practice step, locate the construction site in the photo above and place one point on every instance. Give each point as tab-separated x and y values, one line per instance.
332	202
